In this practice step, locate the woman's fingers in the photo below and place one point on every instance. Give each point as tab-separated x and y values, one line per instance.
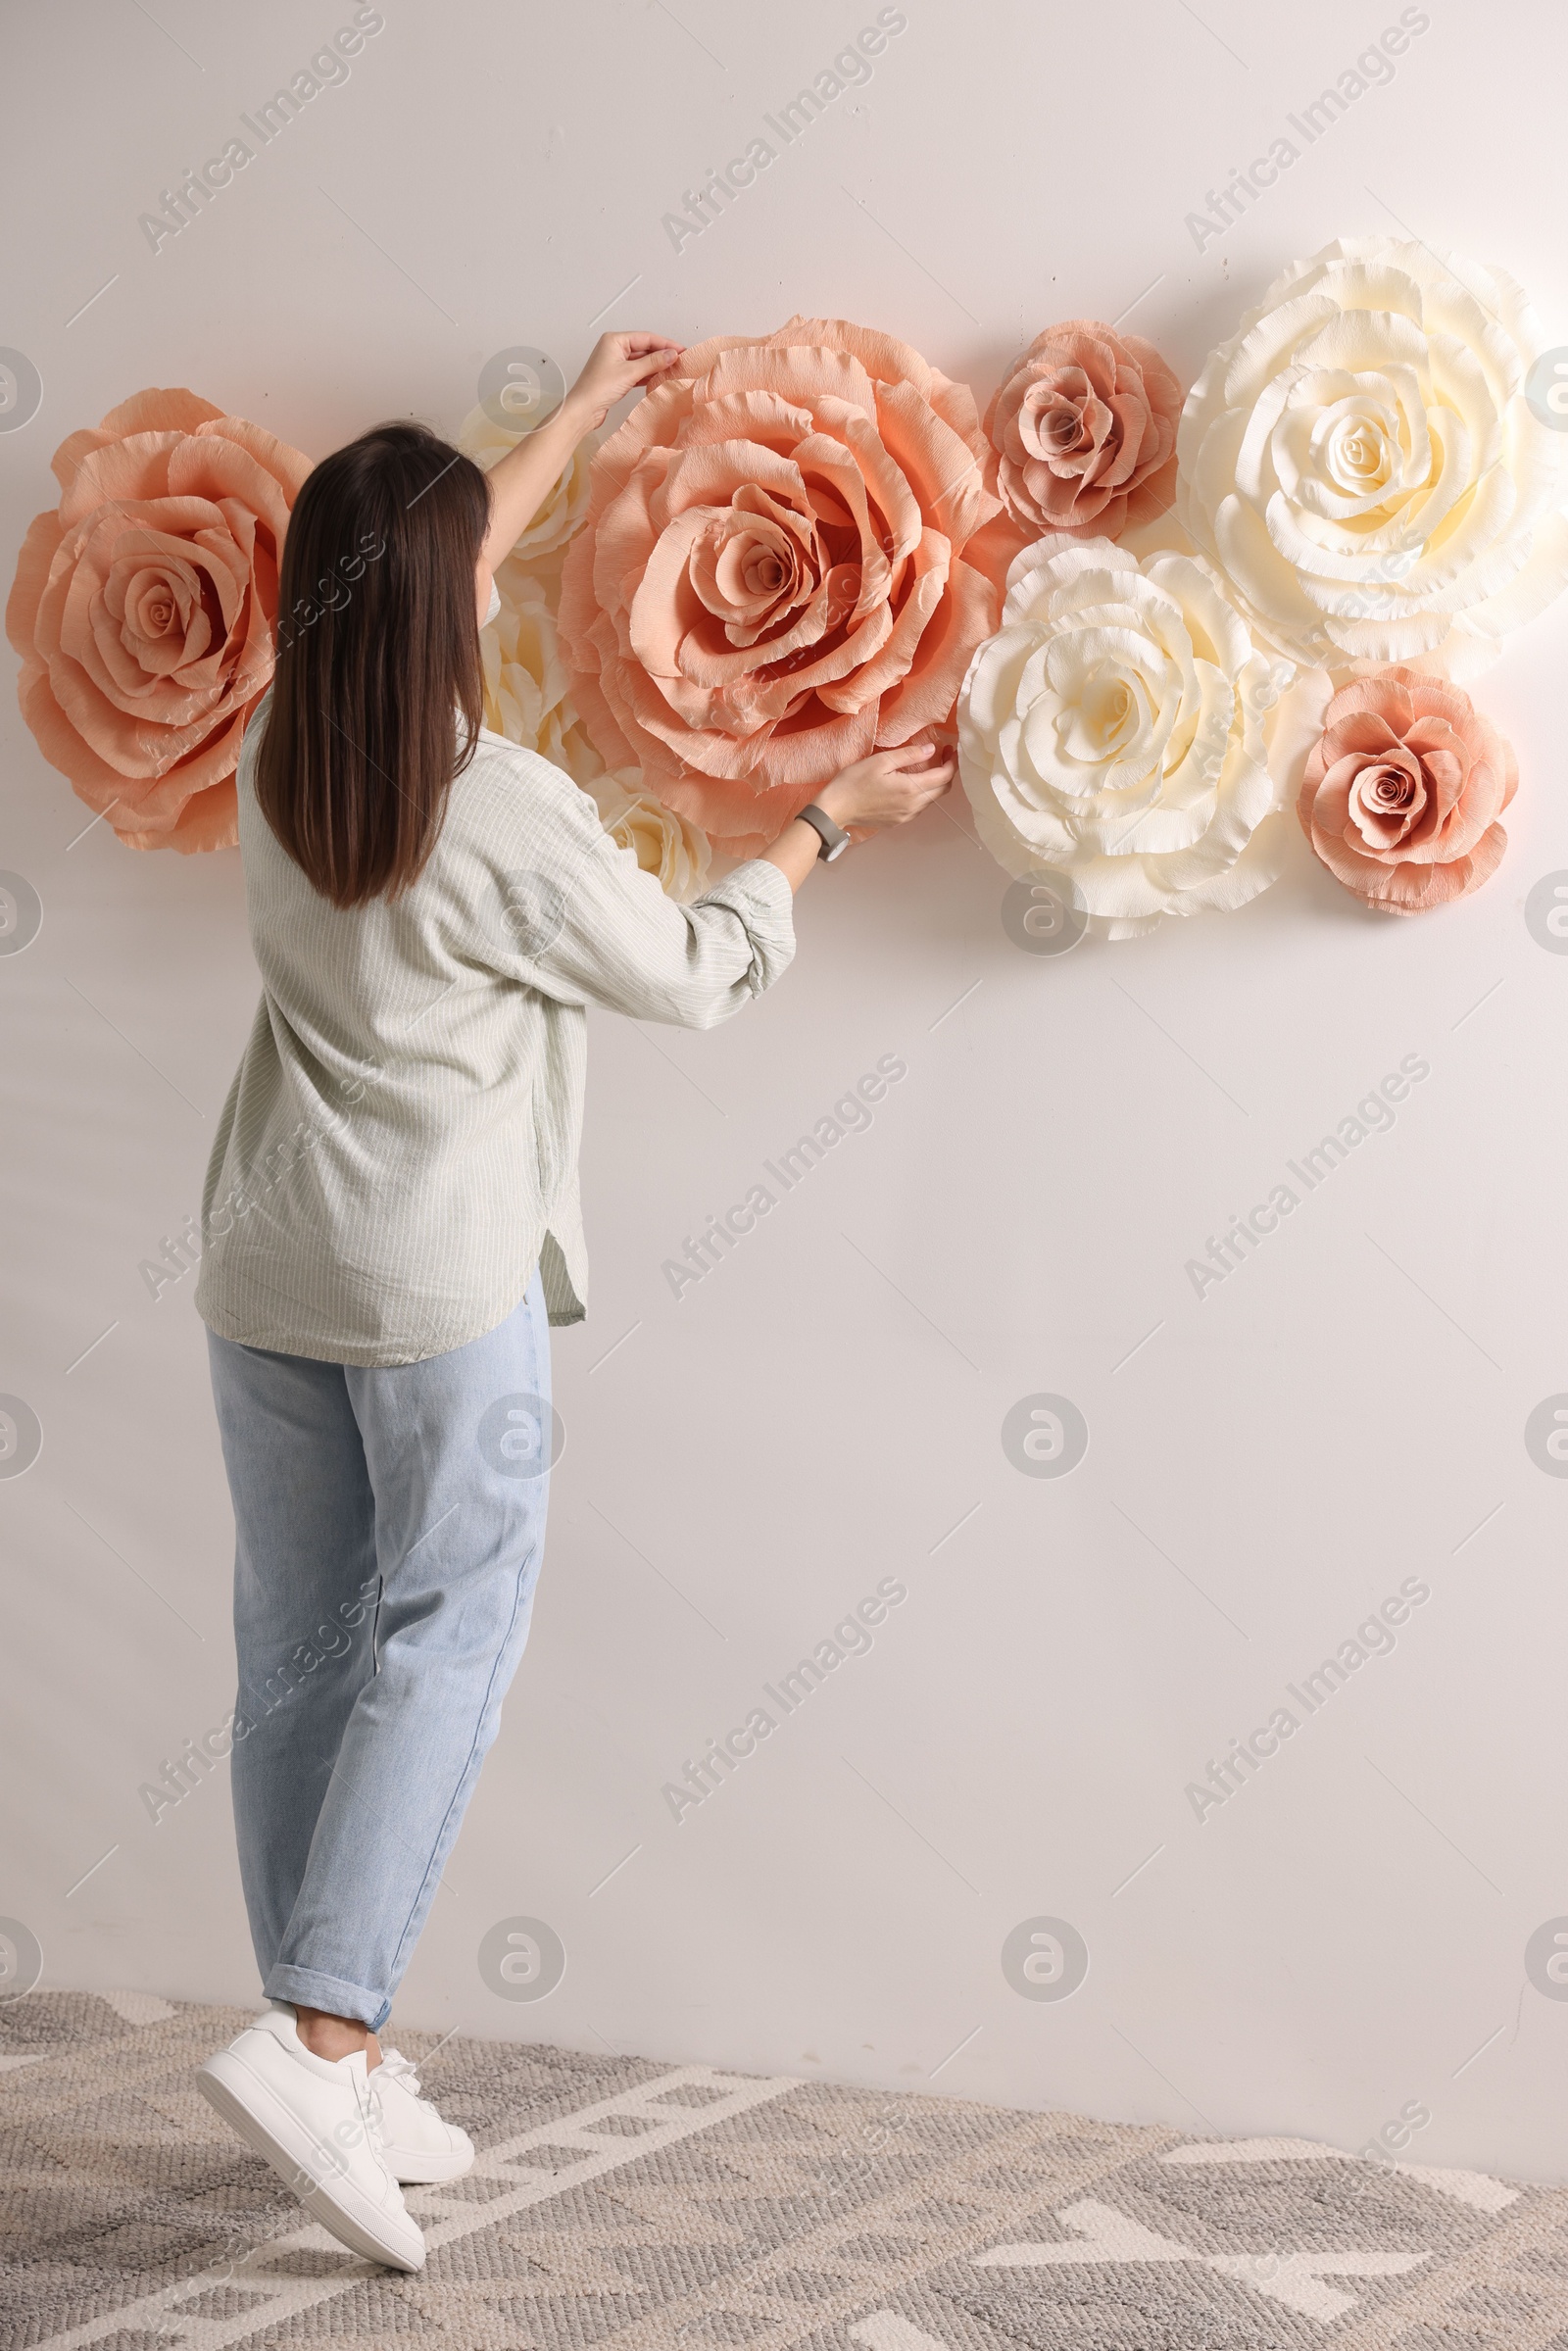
889	787
924	768
652	363
912	756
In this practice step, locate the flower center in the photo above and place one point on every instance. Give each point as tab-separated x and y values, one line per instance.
1359	452
1107	716
1387	801
1387	788
763	571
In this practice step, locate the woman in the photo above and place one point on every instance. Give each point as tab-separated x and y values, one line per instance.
391	1225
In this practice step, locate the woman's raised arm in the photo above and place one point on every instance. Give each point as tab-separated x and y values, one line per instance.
523	478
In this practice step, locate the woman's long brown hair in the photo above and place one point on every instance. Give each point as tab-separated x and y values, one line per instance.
377	660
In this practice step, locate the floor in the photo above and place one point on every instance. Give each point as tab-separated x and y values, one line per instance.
634	2206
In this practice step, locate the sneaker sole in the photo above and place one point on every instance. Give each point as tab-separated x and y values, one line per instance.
261	2120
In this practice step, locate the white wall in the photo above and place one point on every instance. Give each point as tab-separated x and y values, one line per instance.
1345	1935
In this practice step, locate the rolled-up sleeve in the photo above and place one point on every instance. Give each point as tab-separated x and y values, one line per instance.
587	925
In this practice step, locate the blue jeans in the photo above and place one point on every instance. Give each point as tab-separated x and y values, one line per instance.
388	1529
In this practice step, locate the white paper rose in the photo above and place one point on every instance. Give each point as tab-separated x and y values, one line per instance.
668	846
1113	731
1362	464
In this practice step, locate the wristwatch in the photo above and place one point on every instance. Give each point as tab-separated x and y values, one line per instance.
833	839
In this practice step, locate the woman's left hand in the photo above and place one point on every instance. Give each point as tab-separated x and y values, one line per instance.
616	366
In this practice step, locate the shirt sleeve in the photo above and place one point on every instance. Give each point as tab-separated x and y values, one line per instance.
579	920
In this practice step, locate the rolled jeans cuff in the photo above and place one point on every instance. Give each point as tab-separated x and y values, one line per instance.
303	1987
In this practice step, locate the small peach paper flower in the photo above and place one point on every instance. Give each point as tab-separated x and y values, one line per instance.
1084	430
1403	790
779	572
143	608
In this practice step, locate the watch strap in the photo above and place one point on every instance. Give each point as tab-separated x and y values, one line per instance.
834	840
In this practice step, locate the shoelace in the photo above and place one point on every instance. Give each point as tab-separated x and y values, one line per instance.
399	2068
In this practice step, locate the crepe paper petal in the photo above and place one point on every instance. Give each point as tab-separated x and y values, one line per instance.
1115	730
788	558
1083	432
143	607
1363	460
1398	781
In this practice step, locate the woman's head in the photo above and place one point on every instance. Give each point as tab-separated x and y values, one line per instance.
377	660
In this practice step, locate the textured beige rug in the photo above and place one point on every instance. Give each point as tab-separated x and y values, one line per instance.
623	2204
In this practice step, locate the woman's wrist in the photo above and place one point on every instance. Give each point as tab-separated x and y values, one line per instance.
574	417
830	799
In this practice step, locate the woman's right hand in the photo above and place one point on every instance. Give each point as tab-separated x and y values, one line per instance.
616	365
888	787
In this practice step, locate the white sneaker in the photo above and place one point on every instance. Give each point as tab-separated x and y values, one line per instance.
418	2146
317	2124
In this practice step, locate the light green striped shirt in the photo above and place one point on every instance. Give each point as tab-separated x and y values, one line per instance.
399	1148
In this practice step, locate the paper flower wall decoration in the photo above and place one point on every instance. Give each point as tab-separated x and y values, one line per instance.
143	608
1361	460
1115	731
780	571
1083	431
1400	782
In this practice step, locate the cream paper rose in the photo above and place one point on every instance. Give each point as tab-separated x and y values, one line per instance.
1113	732
667	845
1361	462
527	695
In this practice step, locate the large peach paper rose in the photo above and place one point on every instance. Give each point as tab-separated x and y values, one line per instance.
780	571
143	609
1364	463
1084	430
1402	791
1114	732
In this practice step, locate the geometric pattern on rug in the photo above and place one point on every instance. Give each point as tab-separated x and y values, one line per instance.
620	2205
